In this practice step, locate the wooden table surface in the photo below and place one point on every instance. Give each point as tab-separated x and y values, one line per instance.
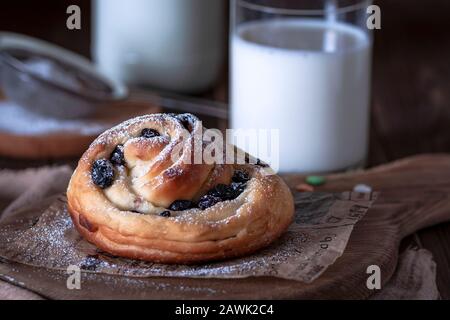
411	99
411	86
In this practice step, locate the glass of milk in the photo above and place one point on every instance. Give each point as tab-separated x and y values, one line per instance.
303	68
175	45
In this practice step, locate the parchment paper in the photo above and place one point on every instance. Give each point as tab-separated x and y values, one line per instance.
44	236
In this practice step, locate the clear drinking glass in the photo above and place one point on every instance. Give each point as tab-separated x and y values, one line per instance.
304	68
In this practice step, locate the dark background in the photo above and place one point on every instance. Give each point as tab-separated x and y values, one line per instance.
411	83
46	19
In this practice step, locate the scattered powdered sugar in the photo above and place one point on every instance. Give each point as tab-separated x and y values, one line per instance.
300	254
19	120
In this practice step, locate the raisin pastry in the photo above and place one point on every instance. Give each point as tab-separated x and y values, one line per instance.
132	197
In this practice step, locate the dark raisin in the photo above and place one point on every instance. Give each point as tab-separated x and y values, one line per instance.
261	164
208	201
238	188
102	173
251	160
90	263
222	191
165	214
149	133
180	205
117	157
187	120
240	176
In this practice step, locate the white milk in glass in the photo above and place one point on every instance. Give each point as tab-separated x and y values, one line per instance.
309	79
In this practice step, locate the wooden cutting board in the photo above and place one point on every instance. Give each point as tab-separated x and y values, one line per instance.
415	193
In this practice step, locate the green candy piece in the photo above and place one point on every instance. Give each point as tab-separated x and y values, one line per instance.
315	180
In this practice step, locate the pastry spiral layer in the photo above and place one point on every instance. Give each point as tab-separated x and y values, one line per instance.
139	192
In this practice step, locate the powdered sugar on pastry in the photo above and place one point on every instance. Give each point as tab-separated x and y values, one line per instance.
146	204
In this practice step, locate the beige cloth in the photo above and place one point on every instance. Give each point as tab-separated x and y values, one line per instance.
21	189
415	277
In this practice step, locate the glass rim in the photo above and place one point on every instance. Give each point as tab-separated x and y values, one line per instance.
284	11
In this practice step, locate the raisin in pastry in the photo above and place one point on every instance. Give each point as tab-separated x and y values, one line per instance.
139	193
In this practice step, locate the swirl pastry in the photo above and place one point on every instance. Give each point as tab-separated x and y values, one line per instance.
132	197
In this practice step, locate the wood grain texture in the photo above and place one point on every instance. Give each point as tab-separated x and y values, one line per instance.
11	292
411	98
415	193
437	241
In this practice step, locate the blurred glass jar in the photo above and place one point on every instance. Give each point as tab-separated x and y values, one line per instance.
175	45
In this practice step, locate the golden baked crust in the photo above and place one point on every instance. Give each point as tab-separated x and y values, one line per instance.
124	219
